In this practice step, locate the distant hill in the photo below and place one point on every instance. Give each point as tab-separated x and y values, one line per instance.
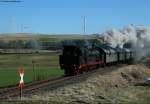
43	37
40	41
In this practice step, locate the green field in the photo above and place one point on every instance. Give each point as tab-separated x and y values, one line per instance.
45	66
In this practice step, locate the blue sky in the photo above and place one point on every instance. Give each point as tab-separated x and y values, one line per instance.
65	16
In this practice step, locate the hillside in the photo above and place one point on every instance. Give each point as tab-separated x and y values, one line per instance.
30	36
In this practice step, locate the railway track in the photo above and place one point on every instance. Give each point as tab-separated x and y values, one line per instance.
51	84
11	92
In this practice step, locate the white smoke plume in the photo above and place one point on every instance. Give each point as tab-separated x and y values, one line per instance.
114	38
138	38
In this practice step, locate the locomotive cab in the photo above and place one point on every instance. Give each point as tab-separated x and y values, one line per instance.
70	59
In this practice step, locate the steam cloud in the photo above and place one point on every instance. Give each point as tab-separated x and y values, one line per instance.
137	38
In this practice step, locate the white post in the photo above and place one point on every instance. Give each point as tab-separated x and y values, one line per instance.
84	25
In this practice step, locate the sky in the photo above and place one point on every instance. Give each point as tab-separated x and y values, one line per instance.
66	16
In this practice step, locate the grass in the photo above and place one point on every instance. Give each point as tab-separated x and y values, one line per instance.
25	60
45	66
11	76
122	86
129	95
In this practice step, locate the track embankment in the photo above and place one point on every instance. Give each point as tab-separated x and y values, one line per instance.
117	86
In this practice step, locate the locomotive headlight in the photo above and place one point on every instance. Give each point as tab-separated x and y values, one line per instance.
75	66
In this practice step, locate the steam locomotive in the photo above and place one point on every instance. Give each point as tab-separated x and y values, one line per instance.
78	57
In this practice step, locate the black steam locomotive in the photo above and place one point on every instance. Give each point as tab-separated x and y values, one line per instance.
78	56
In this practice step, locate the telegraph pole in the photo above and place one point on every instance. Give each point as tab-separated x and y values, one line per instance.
33	68
84	25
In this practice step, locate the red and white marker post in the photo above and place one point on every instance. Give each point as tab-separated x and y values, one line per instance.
21	83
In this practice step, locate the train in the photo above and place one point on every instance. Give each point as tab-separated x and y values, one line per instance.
78	57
